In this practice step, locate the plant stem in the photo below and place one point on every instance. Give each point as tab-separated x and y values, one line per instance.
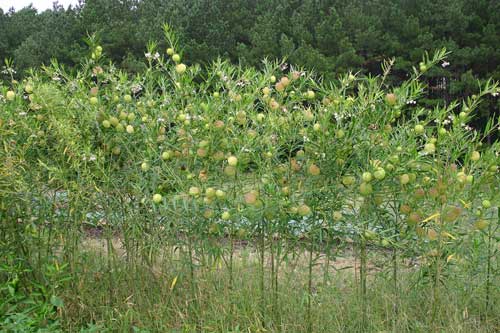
262	273
362	275
309	287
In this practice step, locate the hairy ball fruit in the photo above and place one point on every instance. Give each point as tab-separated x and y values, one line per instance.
432	234
486	204
250	198
230	171
369	235
379	174
481	224
365	189
130	129
119	128
232	161
201	152
404	179
285	81
170	51
405	209
367	177
461	177
348	180
220	194
226	216
337	215
93	100
114	121
145	166
180	68
106	124
433	192
157	198
475	156
241	117
176	58
419	193
430	148
314	170
210	192
452	213
414	218
419	129
166	155
208	213
194	191
304	210
390	99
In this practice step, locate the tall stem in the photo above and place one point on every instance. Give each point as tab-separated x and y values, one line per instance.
362	275
437	269
262	274
395	264
488	263
193	284
309	287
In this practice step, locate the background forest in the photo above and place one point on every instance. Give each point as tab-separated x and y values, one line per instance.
329	36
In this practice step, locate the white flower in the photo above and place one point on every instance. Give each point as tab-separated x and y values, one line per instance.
136	88
445	64
8	71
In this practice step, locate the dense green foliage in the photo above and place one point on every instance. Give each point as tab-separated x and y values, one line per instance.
225	198
330	36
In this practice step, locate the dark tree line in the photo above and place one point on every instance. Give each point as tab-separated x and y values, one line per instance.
330	36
